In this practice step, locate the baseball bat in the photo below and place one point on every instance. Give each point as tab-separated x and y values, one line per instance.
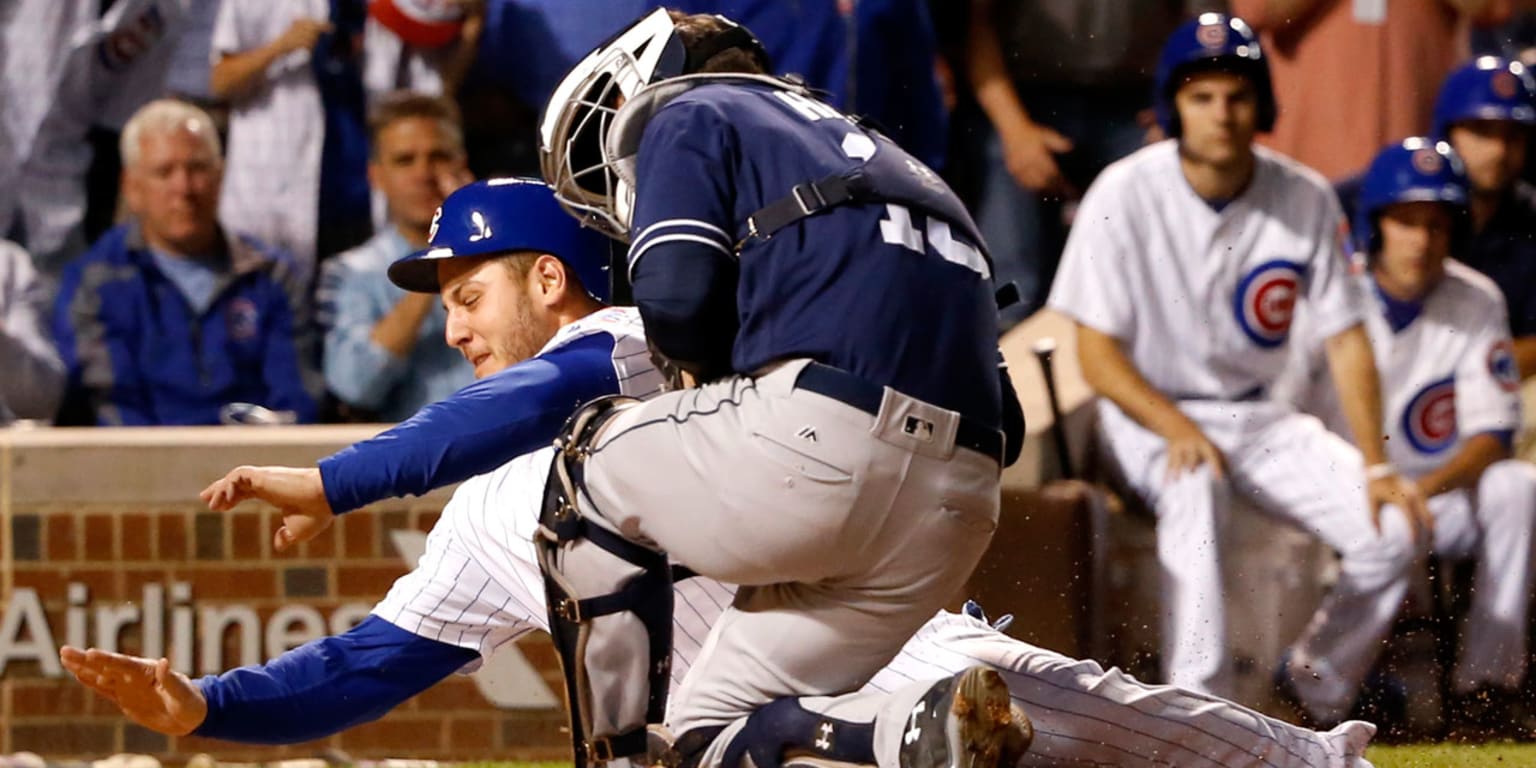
1044	349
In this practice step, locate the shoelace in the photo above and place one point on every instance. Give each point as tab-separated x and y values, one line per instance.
973	610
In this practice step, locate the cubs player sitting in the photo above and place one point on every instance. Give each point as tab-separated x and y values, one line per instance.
1441	341
1083	713
1486	110
1181	275
841	459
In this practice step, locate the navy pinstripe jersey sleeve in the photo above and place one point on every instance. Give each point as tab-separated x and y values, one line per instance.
479	428
326	686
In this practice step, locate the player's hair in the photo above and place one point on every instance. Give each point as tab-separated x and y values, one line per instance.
519	263
696	28
163	116
395	106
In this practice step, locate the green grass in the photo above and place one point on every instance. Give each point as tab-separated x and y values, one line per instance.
1503	755
1408	756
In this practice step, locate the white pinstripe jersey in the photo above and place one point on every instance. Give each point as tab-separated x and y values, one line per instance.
276	130
478	585
1202	299
1448	375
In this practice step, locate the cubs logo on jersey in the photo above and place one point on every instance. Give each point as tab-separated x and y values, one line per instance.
1429	421
1501	364
1266	302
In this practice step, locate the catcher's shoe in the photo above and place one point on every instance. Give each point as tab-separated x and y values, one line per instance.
966	721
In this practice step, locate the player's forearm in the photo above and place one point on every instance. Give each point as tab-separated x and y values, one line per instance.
236	73
686	293
989	73
1525	356
1359	386
398	329
326	686
1109	373
1463	470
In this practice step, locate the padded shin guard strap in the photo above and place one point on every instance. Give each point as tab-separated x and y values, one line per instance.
641	585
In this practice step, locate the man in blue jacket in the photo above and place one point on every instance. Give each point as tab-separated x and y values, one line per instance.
168	318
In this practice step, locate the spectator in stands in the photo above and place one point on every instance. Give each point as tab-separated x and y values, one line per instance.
297	144
1067	88
384	356
168	318
298	74
72	73
33	380
1352	76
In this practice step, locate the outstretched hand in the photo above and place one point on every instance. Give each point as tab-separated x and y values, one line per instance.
299	493
146	690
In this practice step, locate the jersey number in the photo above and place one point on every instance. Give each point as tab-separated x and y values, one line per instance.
897	229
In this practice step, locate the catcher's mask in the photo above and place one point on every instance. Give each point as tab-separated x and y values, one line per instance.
574	155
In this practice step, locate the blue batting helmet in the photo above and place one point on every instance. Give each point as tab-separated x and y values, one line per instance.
1211	42
1417	170
499	216
1489	88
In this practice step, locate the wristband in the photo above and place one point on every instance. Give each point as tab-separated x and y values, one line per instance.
1379	471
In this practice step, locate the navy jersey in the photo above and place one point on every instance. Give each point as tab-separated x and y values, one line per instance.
882	290
1505	251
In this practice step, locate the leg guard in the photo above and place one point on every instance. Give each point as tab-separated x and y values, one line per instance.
610	607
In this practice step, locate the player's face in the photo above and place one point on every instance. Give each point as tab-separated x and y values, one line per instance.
1218	114
498	316
417	162
1494	151
1415	242
173	189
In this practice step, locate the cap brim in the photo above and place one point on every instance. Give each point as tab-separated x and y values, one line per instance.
418	271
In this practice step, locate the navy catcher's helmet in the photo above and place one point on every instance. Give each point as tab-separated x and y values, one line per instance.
1417	170
1211	42
499	216
1489	88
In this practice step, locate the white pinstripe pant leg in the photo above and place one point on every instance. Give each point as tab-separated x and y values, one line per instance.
1191	513
1085	715
1495	524
1296	469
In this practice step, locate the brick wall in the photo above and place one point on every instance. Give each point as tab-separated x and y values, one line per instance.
102	525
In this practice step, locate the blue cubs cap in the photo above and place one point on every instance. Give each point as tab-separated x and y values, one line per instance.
498	216
1417	170
1211	41
1488	88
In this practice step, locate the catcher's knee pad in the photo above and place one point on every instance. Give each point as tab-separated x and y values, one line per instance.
610	606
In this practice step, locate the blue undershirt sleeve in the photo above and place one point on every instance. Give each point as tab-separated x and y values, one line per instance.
326	686
479	428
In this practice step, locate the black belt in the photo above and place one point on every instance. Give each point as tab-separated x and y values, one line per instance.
866	396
